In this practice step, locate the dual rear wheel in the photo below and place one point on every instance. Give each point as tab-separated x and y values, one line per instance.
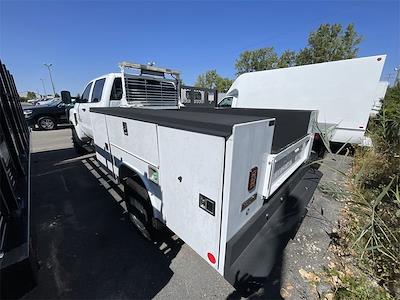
139	207
137	200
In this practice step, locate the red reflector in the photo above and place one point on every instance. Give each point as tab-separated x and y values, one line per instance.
211	258
317	136
379	59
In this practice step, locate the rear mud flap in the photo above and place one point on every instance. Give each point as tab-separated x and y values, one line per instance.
254	251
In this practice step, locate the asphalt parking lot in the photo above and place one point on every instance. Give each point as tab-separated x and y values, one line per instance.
88	249
86	246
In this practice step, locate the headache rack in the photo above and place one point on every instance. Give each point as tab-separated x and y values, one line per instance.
150	85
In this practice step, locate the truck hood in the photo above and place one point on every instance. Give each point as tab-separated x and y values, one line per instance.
42	106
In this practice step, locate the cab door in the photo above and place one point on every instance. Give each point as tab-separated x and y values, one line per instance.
94	101
83	108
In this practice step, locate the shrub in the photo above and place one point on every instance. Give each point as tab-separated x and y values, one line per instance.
385	130
373	169
375	204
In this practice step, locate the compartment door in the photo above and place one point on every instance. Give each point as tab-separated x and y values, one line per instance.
101	142
286	162
191	179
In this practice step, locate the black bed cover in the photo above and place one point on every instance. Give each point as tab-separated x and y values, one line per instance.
290	125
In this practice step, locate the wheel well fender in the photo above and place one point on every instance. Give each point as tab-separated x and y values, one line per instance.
128	171
71	113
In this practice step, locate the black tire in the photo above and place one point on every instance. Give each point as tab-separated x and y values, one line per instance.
139	208
47	123
78	145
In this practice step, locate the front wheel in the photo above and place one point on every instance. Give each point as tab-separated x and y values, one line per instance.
47	123
78	145
139	208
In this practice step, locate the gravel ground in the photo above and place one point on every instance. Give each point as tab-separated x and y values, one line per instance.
88	249
308	251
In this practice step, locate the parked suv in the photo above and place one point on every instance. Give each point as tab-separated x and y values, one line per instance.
47	116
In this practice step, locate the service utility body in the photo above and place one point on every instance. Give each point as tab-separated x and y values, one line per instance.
229	182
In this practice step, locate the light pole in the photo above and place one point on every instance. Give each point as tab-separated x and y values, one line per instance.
397	79
51	78
44	88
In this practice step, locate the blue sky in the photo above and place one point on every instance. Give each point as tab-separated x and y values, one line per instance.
85	39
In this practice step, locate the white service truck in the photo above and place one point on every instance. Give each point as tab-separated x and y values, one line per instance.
228	182
344	93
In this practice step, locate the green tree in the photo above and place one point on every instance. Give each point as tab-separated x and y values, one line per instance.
208	80
211	80
30	95
329	43
264	59
287	59
256	60
223	84
390	117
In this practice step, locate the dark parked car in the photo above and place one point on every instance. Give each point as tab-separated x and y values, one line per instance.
47	116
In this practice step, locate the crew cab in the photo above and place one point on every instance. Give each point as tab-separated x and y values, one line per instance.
228	182
107	91
145	86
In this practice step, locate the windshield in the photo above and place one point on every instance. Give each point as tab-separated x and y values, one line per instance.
55	102
49	102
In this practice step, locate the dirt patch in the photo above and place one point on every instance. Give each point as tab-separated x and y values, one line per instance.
308	253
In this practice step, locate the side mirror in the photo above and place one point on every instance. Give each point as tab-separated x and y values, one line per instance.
66	97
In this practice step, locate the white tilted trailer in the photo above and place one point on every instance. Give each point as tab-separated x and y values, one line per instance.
344	93
227	182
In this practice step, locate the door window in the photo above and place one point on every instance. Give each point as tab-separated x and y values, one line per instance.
116	91
85	95
226	102
98	90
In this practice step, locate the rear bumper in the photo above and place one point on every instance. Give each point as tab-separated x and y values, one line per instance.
252	253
